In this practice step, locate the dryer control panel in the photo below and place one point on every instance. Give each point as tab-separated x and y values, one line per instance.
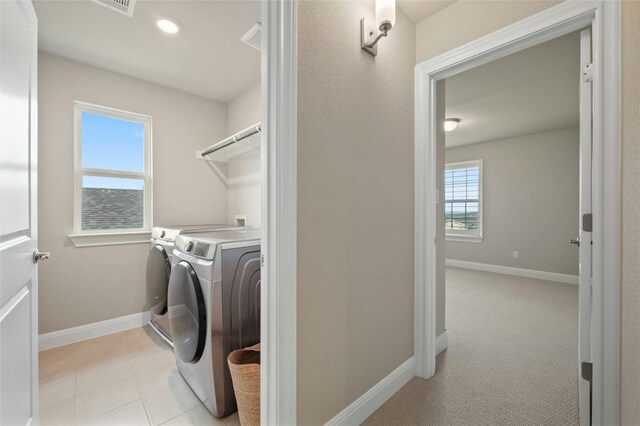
194	247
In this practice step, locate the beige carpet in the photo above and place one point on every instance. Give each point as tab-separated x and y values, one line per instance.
512	357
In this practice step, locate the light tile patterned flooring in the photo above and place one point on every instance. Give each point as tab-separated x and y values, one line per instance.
128	378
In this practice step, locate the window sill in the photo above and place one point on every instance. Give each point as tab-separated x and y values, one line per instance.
464	238
109	238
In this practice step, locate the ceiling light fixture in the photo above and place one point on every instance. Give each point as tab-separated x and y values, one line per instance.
385	20
451	124
168	26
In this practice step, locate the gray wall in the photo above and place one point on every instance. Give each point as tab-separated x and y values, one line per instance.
355	206
530	202
84	285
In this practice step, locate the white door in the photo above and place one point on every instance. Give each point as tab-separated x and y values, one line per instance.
584	291
18	209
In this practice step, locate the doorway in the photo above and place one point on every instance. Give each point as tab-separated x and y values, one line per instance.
510	166
555	22
278	398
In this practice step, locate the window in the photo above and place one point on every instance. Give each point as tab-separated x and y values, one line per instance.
113	171
463	200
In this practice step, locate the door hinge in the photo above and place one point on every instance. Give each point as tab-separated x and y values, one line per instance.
587	73
587	222
262	260
587	371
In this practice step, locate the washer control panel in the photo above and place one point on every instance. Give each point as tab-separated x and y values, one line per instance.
194	247
166	234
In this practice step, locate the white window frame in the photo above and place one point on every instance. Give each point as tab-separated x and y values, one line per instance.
93	237
466	235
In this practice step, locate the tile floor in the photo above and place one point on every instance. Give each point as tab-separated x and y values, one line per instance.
128	378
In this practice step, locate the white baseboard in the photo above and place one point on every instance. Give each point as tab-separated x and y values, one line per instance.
519	272
367	404
441	342
89	331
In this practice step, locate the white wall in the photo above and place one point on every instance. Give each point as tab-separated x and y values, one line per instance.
441	267
244	110
243	172
355	206
84	285
530	202
243	189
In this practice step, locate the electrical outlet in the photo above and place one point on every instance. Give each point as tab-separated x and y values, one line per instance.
515	254
241	220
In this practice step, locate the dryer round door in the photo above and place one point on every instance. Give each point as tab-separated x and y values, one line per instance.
158	272
187	313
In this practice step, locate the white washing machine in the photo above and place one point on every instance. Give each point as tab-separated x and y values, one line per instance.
159	270
214	308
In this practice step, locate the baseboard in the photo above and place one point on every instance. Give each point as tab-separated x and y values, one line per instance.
89	331
441	342
519	272
367	404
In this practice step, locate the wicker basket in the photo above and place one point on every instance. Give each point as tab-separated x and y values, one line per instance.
244	365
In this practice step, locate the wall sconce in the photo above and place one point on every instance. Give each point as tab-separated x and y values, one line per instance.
385	20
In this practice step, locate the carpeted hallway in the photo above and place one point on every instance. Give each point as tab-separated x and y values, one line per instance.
511	360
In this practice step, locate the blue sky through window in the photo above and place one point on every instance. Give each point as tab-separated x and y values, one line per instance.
113	144
111	183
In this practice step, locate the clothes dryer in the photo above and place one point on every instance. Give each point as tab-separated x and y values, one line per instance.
214	308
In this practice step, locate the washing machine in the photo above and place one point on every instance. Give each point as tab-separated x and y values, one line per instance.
214	308
159	270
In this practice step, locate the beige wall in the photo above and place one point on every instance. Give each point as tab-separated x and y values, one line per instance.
465	21
630	295
530	202
83	285
355	206
243	172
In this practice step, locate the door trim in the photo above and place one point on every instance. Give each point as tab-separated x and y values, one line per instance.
33	125
279	208
604	18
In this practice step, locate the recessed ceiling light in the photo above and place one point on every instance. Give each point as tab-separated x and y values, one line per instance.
168	26
450	124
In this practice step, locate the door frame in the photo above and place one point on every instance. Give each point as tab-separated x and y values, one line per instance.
279	210
569	16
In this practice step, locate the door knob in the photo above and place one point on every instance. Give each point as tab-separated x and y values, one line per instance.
40	255
575	241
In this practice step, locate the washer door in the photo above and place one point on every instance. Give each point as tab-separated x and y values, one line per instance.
187	313
158	272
